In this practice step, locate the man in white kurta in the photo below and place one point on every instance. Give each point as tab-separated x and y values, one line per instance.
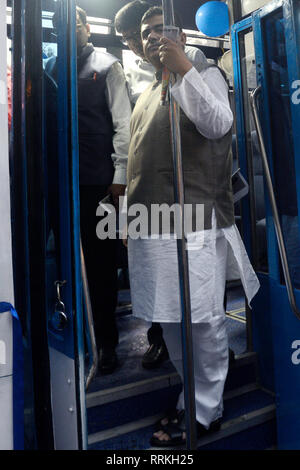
153	262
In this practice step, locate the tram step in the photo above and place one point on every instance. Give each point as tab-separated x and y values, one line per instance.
123	411
242	372
248	423
120	404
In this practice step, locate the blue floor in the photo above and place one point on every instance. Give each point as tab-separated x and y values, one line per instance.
133	343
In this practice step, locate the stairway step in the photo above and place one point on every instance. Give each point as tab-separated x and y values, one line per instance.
239	435
142	423
152	384
134	426
119	405
127	409
257	432
251	407
242	372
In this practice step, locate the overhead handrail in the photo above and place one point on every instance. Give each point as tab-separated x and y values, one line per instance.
94	367
280	240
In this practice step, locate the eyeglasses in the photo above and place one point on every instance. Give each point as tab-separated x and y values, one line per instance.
136	36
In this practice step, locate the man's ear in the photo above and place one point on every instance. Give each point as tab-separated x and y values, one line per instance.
88	28
182	38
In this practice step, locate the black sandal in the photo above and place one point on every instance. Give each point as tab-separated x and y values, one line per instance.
174	429
170	415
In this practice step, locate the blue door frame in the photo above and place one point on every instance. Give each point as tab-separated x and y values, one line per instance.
45	226
275	326
66	348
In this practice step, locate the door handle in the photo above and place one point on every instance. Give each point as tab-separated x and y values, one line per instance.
59	319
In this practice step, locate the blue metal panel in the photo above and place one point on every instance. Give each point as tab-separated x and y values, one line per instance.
285	326
286	334
292	33
262	333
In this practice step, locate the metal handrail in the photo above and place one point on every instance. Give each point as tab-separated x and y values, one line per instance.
94	367
278	230
182	256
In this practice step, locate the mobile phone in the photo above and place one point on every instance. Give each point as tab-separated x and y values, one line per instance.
240	186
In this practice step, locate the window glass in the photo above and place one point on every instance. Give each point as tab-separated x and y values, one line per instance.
282	139
255	169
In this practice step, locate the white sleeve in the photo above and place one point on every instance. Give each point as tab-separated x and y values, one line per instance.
120	108
204	99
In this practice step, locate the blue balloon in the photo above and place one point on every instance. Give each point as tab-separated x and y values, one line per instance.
212	19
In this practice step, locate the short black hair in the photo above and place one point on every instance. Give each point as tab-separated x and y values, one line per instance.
157	11
82	14
80	11
130	15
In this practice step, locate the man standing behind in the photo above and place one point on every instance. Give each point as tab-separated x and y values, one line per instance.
139	77
206	121
104	112
141	74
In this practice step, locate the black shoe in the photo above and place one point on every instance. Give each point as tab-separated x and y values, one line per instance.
214	427
108	360
154	356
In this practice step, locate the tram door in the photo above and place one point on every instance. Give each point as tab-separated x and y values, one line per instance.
64	289
45	182
272	37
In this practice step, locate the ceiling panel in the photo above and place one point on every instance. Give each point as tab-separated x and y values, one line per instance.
108	8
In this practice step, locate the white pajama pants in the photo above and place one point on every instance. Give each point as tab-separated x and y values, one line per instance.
210	349
155	297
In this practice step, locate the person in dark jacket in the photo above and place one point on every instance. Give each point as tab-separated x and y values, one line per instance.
103	122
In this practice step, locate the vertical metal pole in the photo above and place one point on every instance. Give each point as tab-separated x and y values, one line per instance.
77	249
183	267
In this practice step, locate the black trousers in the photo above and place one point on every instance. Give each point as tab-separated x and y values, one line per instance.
155	334
101	265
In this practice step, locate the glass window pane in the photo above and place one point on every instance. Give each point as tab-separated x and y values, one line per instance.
255	169
282	139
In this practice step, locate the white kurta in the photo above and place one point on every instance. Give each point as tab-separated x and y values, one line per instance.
153	263
154	279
